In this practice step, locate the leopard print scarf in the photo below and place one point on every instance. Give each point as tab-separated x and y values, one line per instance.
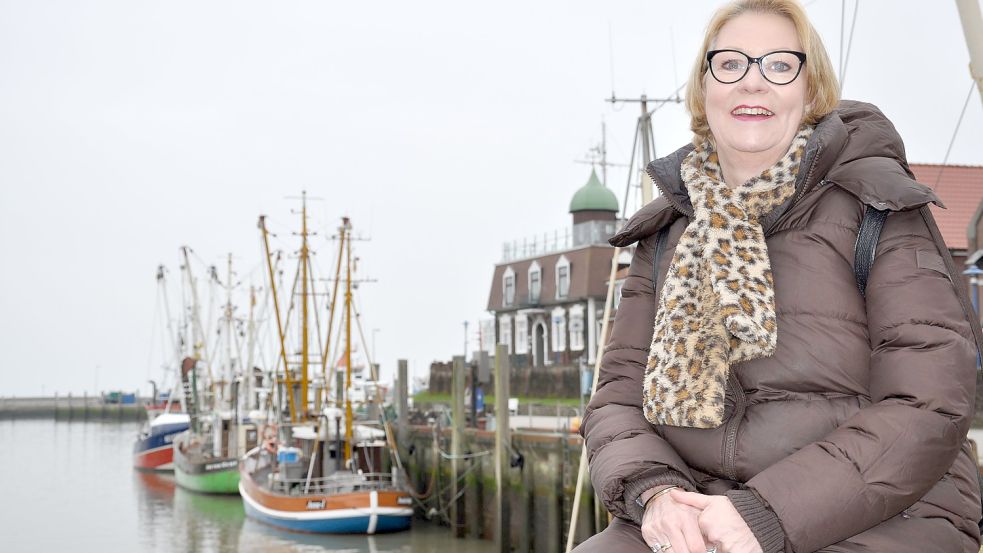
717	305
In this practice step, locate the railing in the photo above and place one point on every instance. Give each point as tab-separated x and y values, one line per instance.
335	483
583	234
537	245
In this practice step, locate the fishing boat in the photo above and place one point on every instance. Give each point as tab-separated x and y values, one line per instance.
153	450
206	456
198	468
320	472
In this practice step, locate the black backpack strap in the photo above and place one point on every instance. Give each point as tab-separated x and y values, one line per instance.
866	246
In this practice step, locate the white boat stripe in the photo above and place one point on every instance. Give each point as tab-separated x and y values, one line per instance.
374	509
321	515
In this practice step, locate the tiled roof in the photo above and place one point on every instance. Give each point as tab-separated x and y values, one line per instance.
960	187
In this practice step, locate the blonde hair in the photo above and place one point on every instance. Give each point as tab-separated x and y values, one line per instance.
823	90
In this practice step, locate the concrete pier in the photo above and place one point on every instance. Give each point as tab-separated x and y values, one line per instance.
69	408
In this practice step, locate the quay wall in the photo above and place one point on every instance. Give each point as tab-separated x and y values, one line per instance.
69	408
540	486
553	381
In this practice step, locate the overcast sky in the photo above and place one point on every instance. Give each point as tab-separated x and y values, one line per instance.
129	128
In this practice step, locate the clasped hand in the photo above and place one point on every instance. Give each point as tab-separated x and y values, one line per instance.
696	523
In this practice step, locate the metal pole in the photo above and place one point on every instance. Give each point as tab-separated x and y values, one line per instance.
972	21
602	340
645	128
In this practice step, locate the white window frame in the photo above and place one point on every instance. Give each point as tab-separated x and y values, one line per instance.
521	334
505	331
508	292
558	322
563	262
577	335
536	270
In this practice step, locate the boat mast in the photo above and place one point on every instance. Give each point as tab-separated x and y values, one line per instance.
200	342
348	345
171	332
227	376
247	370
279	323
304	362
331	308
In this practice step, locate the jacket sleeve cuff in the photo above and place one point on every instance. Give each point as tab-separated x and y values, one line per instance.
633	490
760	518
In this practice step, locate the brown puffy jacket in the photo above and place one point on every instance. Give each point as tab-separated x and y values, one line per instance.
854	432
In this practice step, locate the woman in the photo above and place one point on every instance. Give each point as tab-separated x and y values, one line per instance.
775	407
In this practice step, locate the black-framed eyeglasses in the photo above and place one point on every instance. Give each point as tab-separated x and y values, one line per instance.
778	67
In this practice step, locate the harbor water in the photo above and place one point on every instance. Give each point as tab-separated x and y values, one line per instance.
69	486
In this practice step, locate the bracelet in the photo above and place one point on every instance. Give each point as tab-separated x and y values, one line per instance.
658	494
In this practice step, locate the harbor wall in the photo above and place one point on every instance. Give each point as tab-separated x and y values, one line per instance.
70	408
553	381
540	486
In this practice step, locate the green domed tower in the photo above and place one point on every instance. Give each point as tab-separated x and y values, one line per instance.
594	202
595	213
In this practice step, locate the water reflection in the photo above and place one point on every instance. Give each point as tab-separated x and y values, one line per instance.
60	466
193	522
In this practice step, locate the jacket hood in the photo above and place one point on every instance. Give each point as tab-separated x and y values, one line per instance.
855	147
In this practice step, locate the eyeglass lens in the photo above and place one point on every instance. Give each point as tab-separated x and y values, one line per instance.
778	67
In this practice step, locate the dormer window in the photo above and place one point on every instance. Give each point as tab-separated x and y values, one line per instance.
562	277
535	282
508	287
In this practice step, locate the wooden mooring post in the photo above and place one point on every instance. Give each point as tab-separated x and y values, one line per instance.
402	405
457	445
503	438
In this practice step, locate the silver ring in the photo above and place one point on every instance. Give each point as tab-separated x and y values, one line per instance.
712	549
657	548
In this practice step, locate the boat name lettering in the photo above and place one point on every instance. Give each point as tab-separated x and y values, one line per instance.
222	465
319	504
404	501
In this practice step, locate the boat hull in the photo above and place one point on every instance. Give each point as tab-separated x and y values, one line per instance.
155	452
204	473
219	476
364	512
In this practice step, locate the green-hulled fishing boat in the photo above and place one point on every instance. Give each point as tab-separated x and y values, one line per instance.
196	468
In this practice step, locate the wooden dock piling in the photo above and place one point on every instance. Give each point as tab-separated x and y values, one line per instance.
457	445
503	438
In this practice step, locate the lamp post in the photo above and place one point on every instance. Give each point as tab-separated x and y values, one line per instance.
974	272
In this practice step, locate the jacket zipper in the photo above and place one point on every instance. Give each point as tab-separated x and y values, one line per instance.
729	460
669	197
800	192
